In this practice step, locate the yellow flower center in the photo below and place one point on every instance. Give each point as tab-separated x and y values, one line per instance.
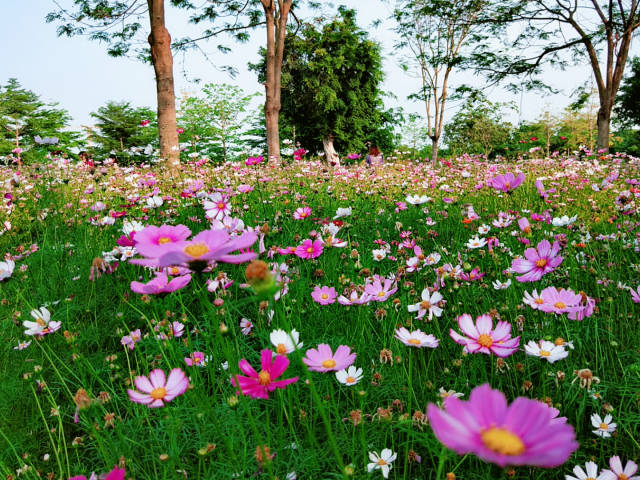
350	380
40	321
502	441
329	363
264	378
382	463
310	250
196	250
507	185
604	426
541	263
622	476
281	349
527	230
485	340
559	341
197	360
425	305
560	305
544	353
324	296
221	206
158	393
539	301
414	341
163	240
174	270
381	294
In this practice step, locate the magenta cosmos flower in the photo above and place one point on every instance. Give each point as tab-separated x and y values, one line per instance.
310	249
527	432
258	385
483	338
537	262
323	359
115	474
208	246
302	213
151	241
156	389
161	284
506	182
324	295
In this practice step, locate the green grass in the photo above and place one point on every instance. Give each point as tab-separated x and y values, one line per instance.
308	424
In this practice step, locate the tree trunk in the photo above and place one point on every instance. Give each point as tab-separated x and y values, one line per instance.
604	122
330	152
276	34
434	151
160	42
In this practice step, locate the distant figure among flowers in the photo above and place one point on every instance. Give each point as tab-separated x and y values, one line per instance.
375	157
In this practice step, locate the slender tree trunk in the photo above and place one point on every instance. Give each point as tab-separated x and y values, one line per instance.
434	151
330	153
604	122
160	42
276	33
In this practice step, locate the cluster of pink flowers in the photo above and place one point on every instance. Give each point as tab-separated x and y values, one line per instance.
577	306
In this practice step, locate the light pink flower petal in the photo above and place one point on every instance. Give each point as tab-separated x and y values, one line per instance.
143	384
157	378
467	326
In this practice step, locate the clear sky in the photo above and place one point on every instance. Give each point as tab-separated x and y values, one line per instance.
79	74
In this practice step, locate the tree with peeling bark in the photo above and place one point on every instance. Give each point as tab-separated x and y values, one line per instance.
119	24
437	34
561	33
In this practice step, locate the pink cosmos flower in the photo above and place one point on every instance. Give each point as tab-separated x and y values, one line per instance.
354	298
323	359
258	385
472	276
537	262
635	295
287	250
151	241
208	246
196	359
161	284
309	249
559	300
156	389
416	338
381	288
527	432
619	473
131	339
217	206
482	338
324	295
302	213
115	474
524	225
506	182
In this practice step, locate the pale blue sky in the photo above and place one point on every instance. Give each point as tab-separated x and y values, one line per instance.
79	74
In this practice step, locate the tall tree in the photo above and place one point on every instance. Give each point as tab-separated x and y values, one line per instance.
121	127
23	116
117	23
214	122
331	78
435	33
562	32
627	108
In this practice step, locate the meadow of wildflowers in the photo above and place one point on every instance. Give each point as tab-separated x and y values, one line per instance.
296	320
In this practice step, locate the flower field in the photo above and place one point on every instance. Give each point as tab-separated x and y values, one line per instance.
296	320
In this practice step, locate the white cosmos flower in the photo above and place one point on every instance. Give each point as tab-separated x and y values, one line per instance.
428	304
498	285
379	254
43	324
476	242
349	376
417	199
343	212
285	342
546	350
483	229
563	221
591	473
130	226
417	338
6	269
155	201
604	427
381	462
